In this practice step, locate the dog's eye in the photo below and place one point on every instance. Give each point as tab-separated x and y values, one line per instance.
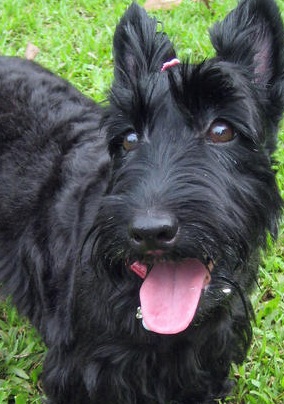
221	132
130	141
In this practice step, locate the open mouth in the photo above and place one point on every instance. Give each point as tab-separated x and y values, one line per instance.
170	293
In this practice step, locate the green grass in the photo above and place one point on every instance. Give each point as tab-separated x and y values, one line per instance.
74	38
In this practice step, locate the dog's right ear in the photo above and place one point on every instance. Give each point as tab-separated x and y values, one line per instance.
138	48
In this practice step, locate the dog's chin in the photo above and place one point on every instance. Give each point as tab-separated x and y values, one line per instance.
170	292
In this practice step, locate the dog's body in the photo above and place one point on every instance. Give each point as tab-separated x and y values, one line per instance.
168	191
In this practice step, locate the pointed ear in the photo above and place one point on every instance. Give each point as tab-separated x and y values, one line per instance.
138	48
252	35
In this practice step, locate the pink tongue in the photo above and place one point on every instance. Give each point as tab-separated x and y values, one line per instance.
170	295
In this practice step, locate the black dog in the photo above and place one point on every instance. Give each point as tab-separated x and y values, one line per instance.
130	234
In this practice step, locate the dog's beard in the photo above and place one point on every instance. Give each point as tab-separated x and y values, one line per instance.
176	289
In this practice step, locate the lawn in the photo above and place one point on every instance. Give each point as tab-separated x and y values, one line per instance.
74	38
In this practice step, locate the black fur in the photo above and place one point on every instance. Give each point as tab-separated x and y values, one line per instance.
70	194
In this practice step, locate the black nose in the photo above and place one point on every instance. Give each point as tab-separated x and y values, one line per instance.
153	231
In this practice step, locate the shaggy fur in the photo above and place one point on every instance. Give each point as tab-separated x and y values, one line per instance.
177	166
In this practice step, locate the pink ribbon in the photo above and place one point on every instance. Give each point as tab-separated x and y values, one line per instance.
169	64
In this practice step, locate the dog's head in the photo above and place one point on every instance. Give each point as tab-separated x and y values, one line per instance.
192	194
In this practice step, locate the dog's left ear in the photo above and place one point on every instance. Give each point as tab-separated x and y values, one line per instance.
138	48
252	35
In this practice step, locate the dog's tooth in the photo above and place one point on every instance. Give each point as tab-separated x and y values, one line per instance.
210	265
145	326
227	291
139	316
139	313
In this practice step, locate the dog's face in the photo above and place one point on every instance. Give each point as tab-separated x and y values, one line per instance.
192	194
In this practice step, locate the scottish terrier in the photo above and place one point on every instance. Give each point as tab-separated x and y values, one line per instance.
130	233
